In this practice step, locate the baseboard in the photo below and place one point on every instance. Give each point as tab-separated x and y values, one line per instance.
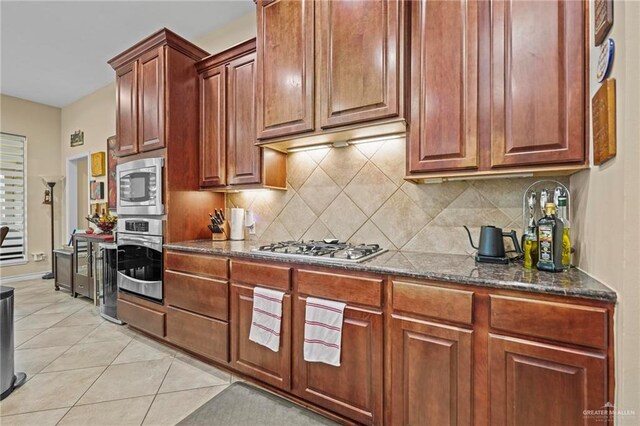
25	277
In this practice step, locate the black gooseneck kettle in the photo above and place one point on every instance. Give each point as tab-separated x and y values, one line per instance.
491	245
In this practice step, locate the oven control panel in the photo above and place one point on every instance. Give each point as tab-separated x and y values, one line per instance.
136	226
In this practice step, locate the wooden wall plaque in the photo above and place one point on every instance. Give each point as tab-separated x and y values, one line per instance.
603	11
603	106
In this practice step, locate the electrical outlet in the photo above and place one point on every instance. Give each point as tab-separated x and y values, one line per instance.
38	256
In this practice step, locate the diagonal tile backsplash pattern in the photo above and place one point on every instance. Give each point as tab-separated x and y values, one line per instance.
359	194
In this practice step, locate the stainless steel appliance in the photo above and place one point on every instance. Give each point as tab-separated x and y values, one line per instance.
140	257
106	268
328	250
8	380
139	185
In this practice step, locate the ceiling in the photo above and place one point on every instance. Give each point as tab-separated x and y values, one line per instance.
55	52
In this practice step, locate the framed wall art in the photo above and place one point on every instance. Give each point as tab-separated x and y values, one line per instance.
97	164
112	162
96	190
77	138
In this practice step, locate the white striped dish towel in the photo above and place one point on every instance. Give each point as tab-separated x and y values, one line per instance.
267	318
323	331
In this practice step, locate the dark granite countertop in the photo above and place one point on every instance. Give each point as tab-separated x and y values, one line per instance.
441	267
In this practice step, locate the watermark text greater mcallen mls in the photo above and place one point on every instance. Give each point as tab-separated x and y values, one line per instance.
607	412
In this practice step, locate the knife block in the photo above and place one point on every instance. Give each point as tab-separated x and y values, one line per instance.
222	236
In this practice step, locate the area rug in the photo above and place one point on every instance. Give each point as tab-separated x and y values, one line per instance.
245	405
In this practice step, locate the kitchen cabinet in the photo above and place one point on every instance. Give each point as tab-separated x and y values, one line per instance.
413	351
535	383
285	67
538	82
498	89
431	363
431	373
358	60
329	67
137	312
248	357
228	153
63	270
197	304
146	74
444	82
354	389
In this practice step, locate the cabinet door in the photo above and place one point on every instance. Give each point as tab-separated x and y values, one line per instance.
127	109
243	156
256	360
431	373
151	100
444	86
537	82
285	67
358	60
213	171
354	389
537	384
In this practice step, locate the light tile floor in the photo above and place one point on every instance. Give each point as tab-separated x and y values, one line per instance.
84	370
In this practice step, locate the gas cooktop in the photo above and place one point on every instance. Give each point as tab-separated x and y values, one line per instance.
329	250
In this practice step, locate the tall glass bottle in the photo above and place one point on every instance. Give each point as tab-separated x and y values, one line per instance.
550	233
566	237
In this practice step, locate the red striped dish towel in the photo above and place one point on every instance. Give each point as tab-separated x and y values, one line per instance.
267	318
323	331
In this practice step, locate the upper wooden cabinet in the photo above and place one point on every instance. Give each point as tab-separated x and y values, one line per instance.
144	78
285	64
497	87
351	50
538	82
229	155
444	82
358	67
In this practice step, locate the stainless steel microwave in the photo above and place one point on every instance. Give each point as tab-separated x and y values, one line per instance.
139	187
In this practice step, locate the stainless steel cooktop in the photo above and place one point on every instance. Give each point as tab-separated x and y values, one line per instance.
329	250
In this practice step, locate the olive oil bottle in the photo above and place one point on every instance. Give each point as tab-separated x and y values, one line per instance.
566	237
550	237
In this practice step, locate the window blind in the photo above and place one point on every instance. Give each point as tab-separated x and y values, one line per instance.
12	198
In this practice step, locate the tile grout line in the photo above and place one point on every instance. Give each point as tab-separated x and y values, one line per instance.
157	390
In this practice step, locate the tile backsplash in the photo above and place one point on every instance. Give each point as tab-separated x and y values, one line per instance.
358	194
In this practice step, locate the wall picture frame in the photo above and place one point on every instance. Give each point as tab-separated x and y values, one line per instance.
97	164
96	190
112	162
77	138
603	13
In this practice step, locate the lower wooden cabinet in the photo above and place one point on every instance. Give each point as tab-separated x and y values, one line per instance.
354	389
431	373
63	270
256	360
145	319
199	334
537	384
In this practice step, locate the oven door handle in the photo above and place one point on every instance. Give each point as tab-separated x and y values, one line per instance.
135	280
137	241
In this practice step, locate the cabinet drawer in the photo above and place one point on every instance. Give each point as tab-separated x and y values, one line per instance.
262	275
82	288
580	325
198	334
198	264
436	302
363	291
140	317
204	296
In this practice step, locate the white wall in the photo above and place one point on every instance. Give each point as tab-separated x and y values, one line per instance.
606	216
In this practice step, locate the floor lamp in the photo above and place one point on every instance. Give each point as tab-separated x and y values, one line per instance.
48	199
